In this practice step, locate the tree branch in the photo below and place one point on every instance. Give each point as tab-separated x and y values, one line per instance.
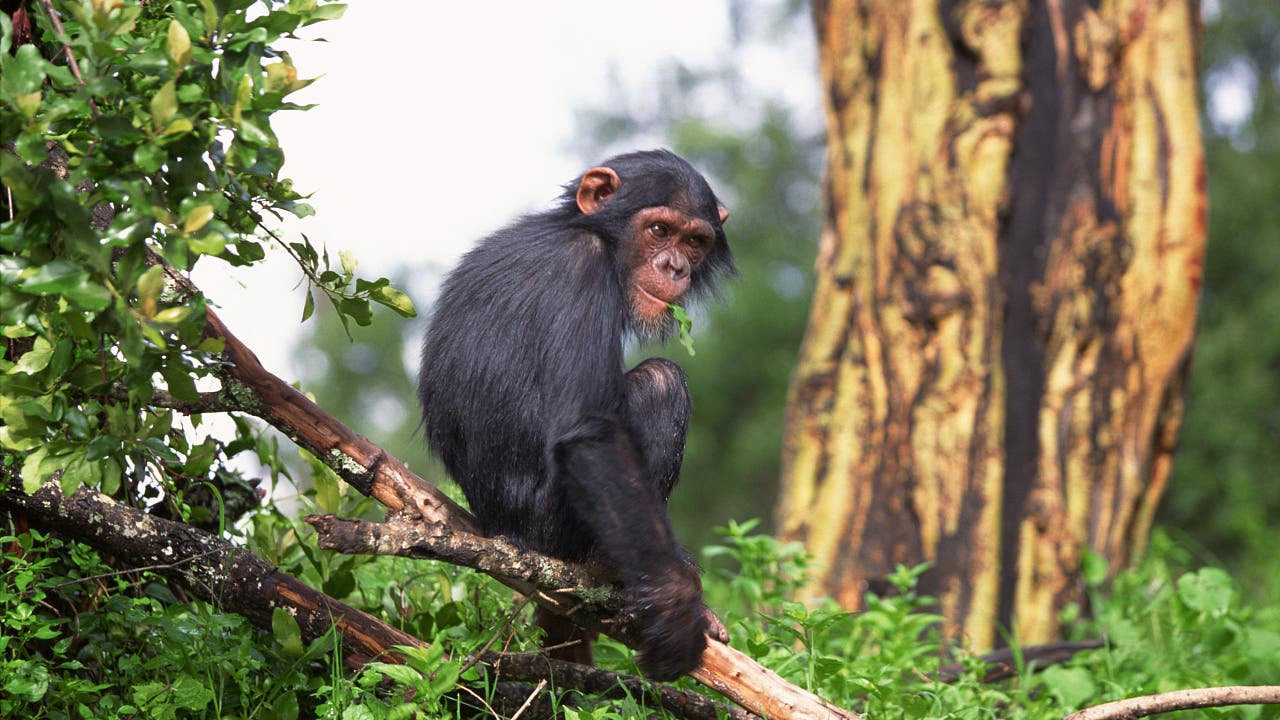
238	581
66	47
1181	700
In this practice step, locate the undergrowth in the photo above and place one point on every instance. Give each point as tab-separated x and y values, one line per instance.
80	640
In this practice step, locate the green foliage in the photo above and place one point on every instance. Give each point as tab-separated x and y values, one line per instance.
133	650
160	145
761	571
1169	629
78	640
1165	629
685	325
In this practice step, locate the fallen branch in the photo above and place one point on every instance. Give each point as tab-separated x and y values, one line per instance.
1181	700
1001	664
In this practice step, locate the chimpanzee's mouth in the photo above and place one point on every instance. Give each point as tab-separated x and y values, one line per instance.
656	300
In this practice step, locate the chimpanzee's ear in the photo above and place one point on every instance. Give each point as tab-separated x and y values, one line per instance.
724	214
596	186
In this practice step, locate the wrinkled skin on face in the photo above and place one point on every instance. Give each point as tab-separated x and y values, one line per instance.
668	245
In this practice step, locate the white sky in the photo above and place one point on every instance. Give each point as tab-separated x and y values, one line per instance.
438	122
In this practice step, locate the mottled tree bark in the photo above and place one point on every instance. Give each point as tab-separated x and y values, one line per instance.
993	372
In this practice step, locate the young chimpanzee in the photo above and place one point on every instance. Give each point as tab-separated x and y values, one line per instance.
526	401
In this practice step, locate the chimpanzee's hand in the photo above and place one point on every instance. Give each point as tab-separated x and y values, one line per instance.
673	624
715	626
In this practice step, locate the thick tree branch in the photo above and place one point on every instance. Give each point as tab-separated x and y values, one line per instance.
1181	700
563	588
210	568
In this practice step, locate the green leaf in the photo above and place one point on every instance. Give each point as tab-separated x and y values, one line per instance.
179	44
212	346
89	296
23	73
299	209
149	157
209	244
164	105
190	694
196	218
326	12
177	127
211	14
62	278
686	325
78	473
1093	567
150	284
250	132
190	92
54	277
286	631
340	584
444	679
399	673
178	378
309	306
357	309
349	261
1071	686
28	103
394	299
285	707
328	493
33	473
145	694
31	147
35	359
1208	590
244	93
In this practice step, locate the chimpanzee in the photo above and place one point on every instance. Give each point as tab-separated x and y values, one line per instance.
527	402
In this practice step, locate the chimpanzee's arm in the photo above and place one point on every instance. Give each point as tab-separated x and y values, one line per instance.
603	473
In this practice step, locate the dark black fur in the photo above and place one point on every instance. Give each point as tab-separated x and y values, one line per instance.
527	402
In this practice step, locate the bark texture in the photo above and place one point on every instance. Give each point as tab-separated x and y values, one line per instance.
992	377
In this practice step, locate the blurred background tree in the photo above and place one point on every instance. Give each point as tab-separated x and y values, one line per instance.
766	160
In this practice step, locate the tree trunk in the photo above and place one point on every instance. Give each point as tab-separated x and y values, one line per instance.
992	377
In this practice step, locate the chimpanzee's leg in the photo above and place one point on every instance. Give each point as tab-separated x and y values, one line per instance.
656	416
658	406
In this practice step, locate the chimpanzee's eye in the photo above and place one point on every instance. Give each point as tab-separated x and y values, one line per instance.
658	229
